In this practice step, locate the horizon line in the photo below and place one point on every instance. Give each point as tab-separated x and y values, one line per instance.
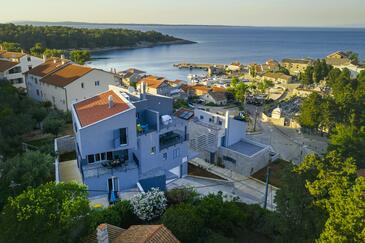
359	26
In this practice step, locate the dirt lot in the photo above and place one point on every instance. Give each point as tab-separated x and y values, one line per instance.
276	167
197	171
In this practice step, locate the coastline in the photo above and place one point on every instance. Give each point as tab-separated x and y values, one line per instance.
140	45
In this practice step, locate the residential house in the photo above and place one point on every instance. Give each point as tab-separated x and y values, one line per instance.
217	98
107	233
199	90
25	62
222	139
62	82
296	66
11	71
131	76
126	141
341	61
278	78
155	85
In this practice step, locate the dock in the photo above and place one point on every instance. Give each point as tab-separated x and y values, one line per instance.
204	66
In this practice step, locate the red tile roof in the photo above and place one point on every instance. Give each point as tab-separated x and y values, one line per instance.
48	67
6	65
96	108
66	75
11	54
146	234
152	81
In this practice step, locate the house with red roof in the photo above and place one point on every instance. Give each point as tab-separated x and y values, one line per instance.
128	141
62	82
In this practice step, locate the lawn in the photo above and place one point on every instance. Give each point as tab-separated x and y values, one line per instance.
197	171
275	178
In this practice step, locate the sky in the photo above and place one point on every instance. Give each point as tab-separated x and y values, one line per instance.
331	13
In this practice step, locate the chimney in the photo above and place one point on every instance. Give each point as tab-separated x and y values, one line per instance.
102	233
44	58
110	101
143	88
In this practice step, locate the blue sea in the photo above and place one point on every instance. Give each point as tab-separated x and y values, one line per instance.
222	44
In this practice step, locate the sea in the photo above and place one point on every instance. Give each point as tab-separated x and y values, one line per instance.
227	44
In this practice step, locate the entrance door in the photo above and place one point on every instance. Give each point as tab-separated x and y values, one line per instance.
113	184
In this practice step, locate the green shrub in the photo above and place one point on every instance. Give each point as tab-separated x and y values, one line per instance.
180	195
184	222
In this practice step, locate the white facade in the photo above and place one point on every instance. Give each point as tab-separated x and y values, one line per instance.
94	82
26	62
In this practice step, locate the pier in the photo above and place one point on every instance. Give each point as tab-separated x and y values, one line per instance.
204	66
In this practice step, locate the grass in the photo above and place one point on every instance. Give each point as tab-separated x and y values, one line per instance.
197	171
275	176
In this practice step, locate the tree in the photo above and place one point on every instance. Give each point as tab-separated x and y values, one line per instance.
53	52
49	213
299	219
184	222
283	70
37	50
310	112
337	189
120	214
349	141
30	169
307	77
53	125
11	46
80	56
234	81
240	92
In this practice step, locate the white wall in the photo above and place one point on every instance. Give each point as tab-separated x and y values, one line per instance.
76	93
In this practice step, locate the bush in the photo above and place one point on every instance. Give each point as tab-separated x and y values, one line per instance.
184	222
149	205
120	214
180	195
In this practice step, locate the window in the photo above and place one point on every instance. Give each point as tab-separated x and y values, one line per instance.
97	83
109	155
176	153
29	59
36	80
37	92
164	156
102	155
201	117
90	158
75	126
153	150
82	85
123	136
97	157
227	158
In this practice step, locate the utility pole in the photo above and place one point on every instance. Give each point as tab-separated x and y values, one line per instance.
267	185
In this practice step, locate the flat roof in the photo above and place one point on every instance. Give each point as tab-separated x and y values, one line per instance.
246	148
94	109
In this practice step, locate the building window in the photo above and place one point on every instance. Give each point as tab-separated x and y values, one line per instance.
109	155
153	150
176	153
123	136
29	59
97	83
36	80
90	158
82	85
201	117
227	158
37	92
102	155
97	157
164	156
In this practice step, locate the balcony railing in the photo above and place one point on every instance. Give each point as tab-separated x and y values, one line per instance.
170	139
107	167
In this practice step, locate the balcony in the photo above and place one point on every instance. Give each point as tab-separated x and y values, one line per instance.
175	123
108	167
170	139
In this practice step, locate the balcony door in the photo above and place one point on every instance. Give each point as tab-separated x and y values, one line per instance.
113	184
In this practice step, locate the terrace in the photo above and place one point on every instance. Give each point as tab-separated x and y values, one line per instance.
171	138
